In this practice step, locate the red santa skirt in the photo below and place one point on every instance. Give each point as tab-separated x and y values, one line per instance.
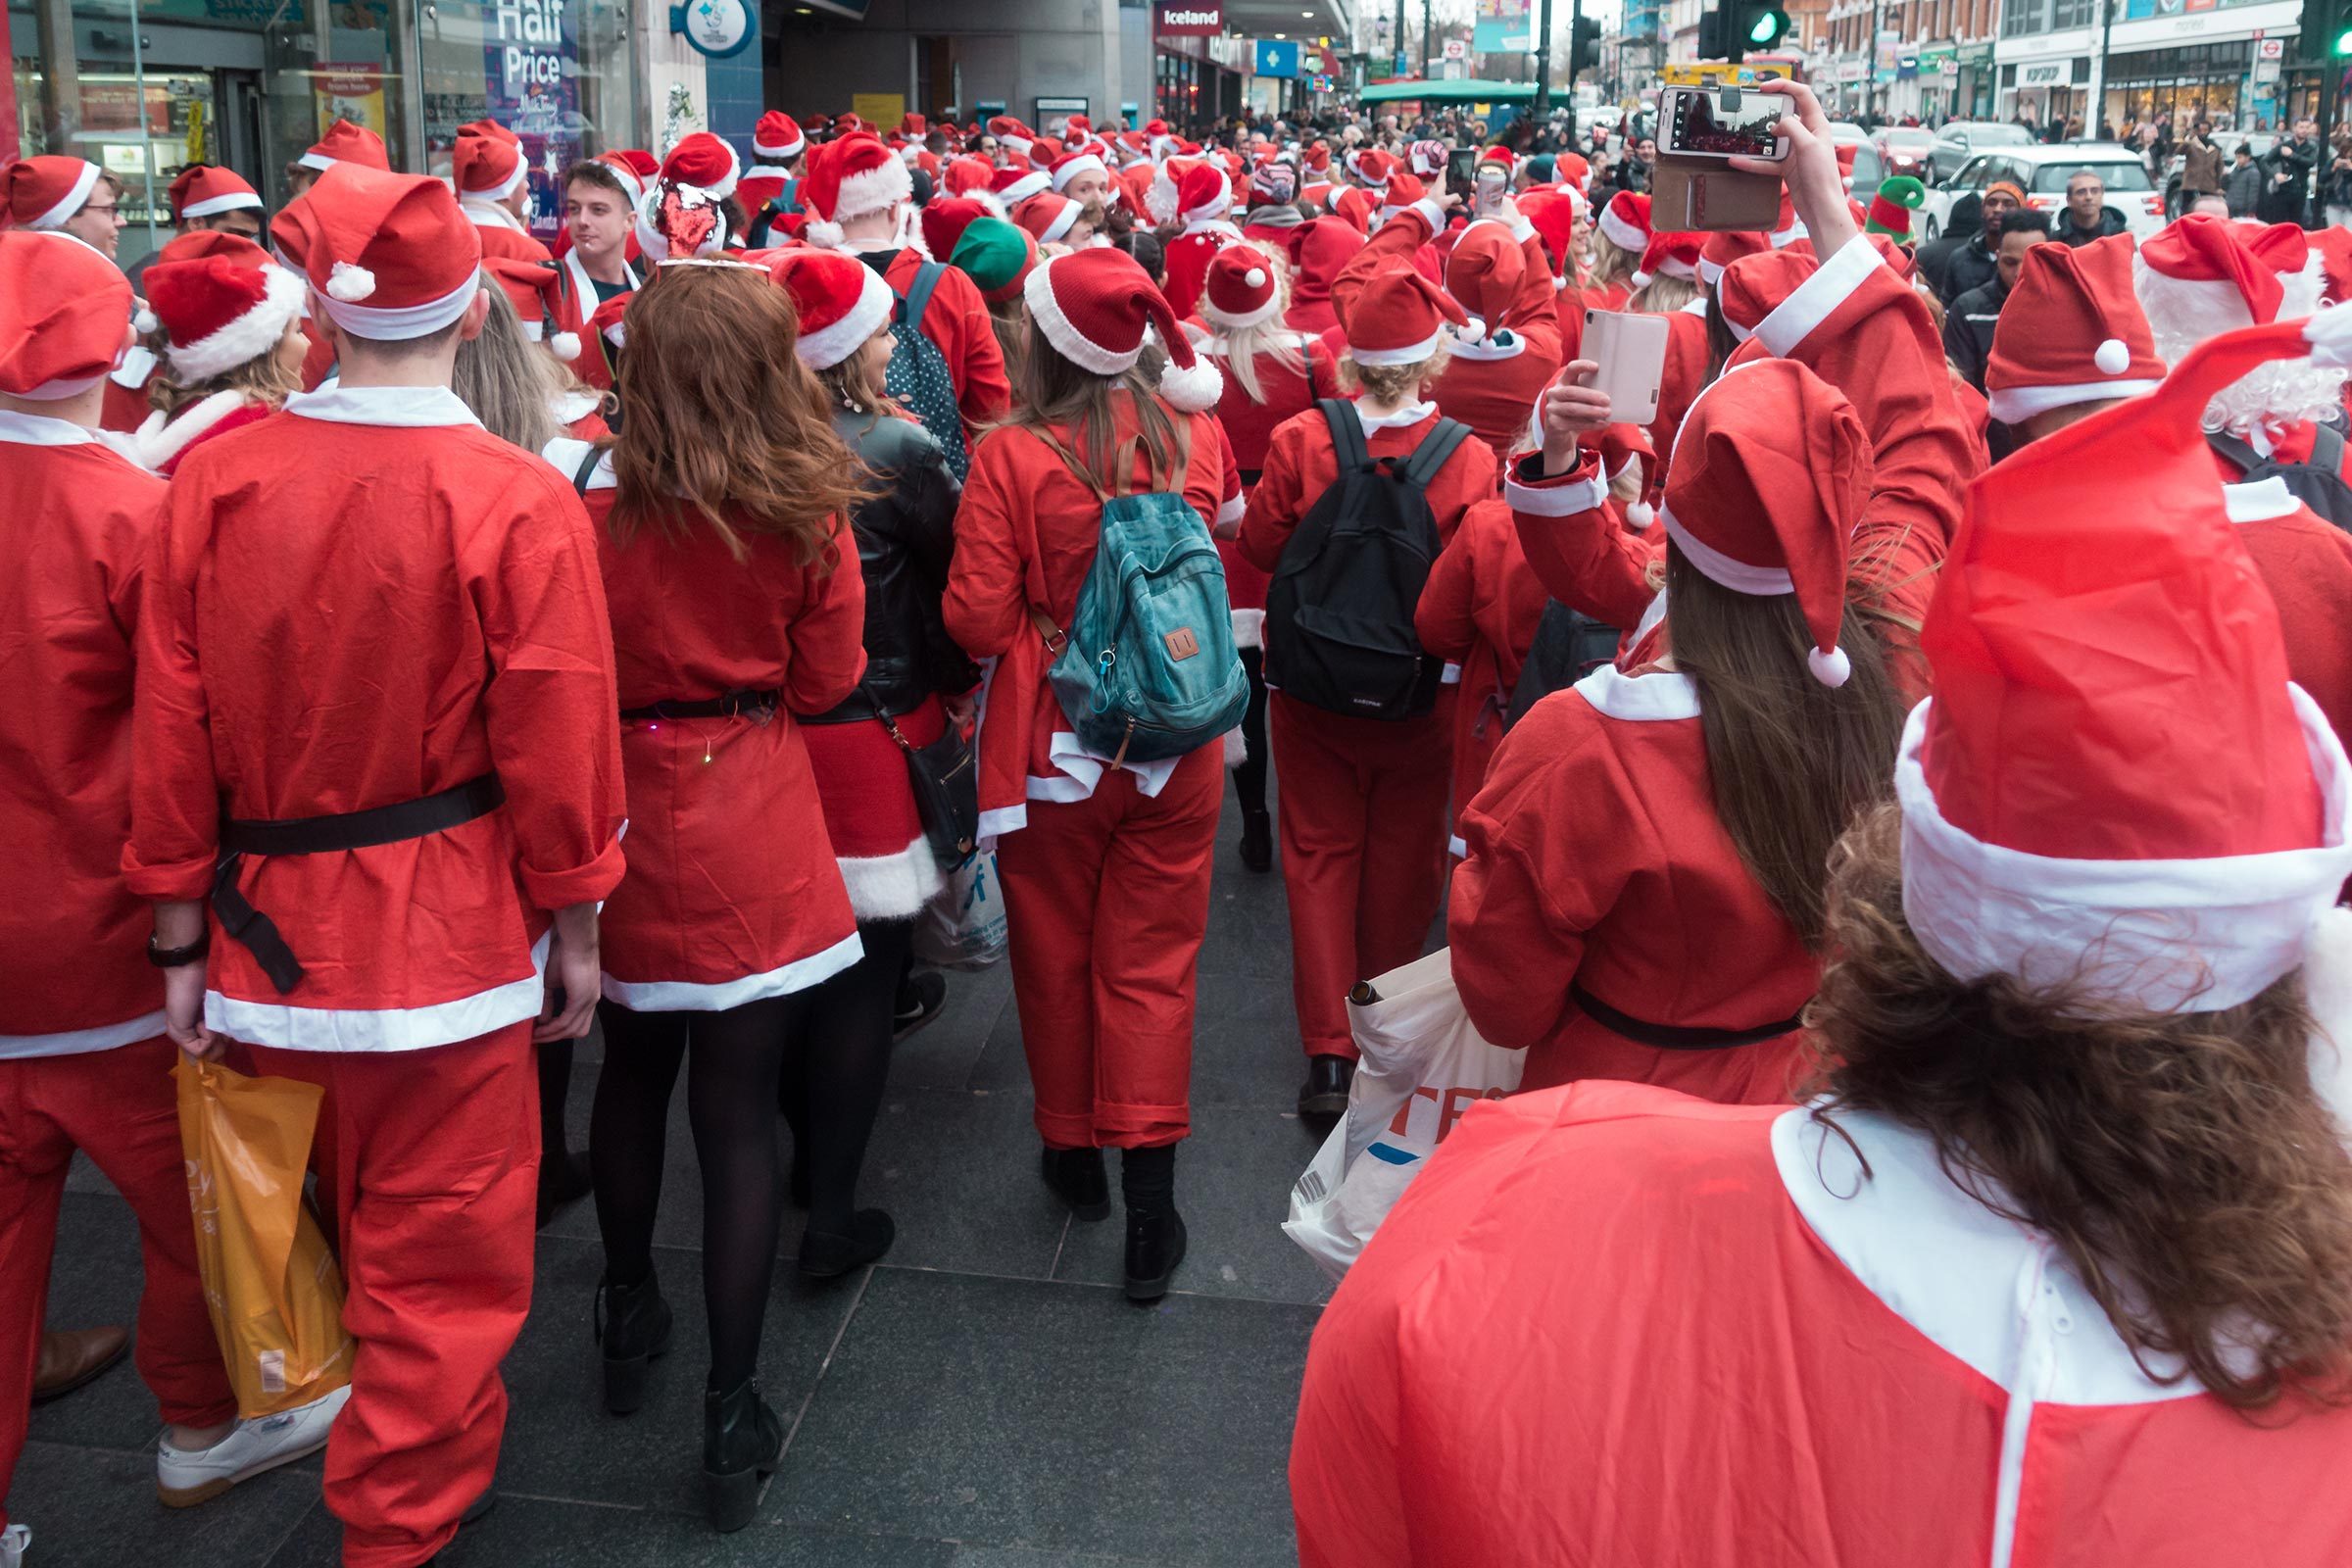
886	863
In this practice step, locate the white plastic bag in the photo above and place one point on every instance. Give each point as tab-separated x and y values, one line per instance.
1423	1065
962	927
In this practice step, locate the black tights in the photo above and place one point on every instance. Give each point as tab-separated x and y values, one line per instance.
554	1091
737	1056
833	1085
1249	779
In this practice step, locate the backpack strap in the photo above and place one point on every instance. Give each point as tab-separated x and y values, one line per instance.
586	471
1432	455
2328	450
919	293
1346	435
2238	452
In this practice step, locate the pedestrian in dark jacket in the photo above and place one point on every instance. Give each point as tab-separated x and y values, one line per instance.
2286	175
2087	217
1968	325
1970	265
2201	166
2242	186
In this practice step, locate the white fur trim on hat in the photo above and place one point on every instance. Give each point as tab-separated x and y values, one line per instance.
831	345
1084	163
876	190
1676	267
507	186
1717	568
1062	222
2014	405
1411	353
1037	291
825	236
1195	388
74	200
212	205
1231	322
315	160
400	324
782	152
248	337
2160	936
1622	234
1021	189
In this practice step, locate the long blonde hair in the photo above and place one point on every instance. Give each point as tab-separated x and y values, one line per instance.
261	379
508	381
1272	337
1663	295
1610	260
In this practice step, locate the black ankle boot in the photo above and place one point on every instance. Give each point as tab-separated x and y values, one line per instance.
1077	1178
1325	1092
1154	1230
632	1324
1257	841
743	1439
826	1254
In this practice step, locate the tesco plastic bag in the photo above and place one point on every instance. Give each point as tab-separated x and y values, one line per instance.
1423	1065
270	1281
962	927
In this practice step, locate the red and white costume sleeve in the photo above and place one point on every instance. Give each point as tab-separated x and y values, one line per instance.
1576	543
2306	562
1479	610
76	529
1025	534
958	324
257	699
1794	1281
728	899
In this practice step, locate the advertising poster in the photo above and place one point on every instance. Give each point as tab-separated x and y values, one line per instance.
353	92
1503	26
530	58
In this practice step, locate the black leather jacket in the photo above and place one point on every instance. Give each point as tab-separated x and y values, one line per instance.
905	538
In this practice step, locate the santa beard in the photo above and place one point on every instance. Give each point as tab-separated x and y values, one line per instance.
2182	313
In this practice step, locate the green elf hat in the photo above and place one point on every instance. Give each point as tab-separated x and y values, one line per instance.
1891	209
997	255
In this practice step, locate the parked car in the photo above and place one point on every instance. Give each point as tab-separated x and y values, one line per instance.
2041	172
1963	139
1907	150
1870	169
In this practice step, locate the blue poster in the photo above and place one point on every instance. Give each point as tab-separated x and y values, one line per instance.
1275	58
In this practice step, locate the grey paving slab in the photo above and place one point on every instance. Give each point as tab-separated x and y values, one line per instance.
943	1053
1245	1042
1233	1182
1012	1413
96	1279
96	1508
958	1171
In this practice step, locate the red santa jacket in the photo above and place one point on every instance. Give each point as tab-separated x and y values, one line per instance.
1319	250
1249	426
365	600
728	899
1025	536
1680	383
576	302
1866	1365
1492	381
162	443
2307	565
1479	612
78	520
958	324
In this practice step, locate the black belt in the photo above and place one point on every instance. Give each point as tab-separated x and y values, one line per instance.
1677	1037
317	835
751	704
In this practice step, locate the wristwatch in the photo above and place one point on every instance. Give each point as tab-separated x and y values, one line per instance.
173	958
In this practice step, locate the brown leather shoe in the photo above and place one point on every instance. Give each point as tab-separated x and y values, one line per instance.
72	1358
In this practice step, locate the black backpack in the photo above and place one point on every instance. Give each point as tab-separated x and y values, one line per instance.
1340	611
2319	484
918	376
1569	645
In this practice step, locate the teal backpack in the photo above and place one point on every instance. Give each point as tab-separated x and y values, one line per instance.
1147	669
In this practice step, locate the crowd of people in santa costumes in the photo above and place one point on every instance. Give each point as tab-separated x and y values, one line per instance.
1907	862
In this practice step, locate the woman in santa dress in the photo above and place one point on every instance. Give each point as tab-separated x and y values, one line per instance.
1106	860
1271	372
2056	1270
231	321
736	600
1641	896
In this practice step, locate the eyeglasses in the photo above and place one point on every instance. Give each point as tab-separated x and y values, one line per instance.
108	211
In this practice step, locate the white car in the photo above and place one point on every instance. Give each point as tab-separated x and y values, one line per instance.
2041	172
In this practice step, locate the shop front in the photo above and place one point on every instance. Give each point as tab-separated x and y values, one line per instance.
1190	85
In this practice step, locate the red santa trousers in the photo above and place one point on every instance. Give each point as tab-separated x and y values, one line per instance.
427	1165
1107	899
1364	849
122	1107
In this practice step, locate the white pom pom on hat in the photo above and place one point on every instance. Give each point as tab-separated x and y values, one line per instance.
2113	356
350	285
564	346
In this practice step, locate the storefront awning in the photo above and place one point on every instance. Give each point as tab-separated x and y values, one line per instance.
1449	92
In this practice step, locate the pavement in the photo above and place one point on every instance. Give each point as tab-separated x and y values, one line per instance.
986	1397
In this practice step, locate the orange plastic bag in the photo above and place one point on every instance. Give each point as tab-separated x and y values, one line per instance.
275	1294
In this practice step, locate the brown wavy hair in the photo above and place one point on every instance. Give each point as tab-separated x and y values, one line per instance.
2183	1164
1791	761
720	413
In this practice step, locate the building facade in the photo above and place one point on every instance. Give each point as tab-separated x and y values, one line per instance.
1928	59
2225	61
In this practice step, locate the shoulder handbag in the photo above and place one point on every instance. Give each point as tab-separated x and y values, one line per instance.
946	778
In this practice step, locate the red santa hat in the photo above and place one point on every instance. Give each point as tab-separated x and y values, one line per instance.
223	309
1318	156
1013	136
1766	482
534	287
634	164
43	192
1094	307
203	190
63	310
1574	170
488	161
1047	217
1724	248
777	137
1013	184
2071	331
2115	788
1205	194
1553	214
944	222
390	255
1356	206
703	162
842	303
913	126
2203	275
2239	266
1398	317
1402	191
849	178
1071	166
1754	286
1371	166
968	176
1243	288
1500	157
1482	272
850	126
346	143
1672	255
1045	153
1625	221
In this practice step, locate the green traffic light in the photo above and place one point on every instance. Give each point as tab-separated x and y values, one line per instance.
2344	43
1766	26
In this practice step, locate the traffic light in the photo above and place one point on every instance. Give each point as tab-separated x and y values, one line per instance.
1736	26
1583	45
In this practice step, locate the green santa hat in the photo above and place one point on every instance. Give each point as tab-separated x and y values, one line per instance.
1891	209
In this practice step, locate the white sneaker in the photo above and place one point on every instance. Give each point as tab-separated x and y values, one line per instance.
184	1478
13	1542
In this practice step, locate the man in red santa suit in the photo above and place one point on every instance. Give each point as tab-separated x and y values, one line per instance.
600	205
204	197
1509	350
858	195
85	1063
493	177
1361	815
331	740
2101	900
76	198
1204	203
